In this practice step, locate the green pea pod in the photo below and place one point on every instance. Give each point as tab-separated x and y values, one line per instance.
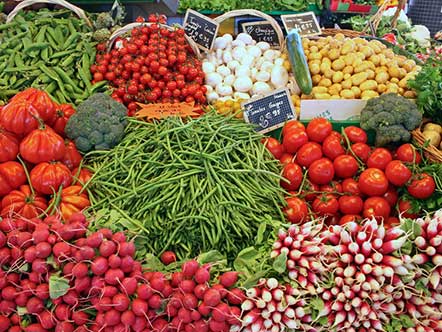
71	41
67	79
52	41
68	61
97	86
9	25
40	38
45	54
51	87
35	47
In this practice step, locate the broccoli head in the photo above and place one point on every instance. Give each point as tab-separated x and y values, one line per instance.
98	124
392	117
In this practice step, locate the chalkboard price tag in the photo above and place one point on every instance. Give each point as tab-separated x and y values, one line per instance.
261	32
201	29
306	23
269	112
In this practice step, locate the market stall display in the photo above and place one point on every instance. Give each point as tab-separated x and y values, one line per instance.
128	203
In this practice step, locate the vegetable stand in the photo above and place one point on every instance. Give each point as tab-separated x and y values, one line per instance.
135	197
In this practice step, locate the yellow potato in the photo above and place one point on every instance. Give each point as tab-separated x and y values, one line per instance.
392	88
314	48
322	96
382	88
401	91
361	67
335	97
376	46
347	84
369	85
409	94
338	64
315	55
384	61
369	94
394	80
402	72
329	73
375	59
338	77
326	60
403	83
349	59
335	89
358	79
316	79
314	68
347	76
347	94
388	53
394	72
333	54
348	47
371	74
325	82
319	89
348	70
433	127
381	68
325	66
367	51
339	36
382	77
356	91
409	65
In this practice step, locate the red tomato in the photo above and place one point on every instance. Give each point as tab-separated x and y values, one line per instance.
321	171
47	178
351	204
12	176
318	129
293	173
290	125
273	145
309	191
335	134
333	219
377	207
308	153
72	158
72	200
408	153
349	218
422	186
379	158
296	210
391	196
397	173
23	203
331	147
351	186
294	139
346	166
42	144
373	182
62	115
8	146
356	134
406	209
361	150
325	205
287	158
332	187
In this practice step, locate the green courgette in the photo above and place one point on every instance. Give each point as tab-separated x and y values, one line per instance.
299	62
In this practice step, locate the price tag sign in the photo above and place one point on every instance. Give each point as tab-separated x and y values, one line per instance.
269	112
201	29
306	23
261	32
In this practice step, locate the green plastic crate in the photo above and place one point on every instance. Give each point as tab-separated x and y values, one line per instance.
310	8
337	125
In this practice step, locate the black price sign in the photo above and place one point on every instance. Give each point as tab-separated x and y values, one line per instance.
201	29
306	23
261	32
269	112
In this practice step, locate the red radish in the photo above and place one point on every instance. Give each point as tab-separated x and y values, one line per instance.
46	320
190	301
184	315
235	296
139	307
168	257
228	279
80	270
114	261
61	249
128	318
189	268
94	240
107	233
80	317
176	278
82	284
35	328
155	301
220	288
144	291
112	317
119	237
187	286
217	326
71	298
220	312
127	264
120	302
157	284
212	297
107	248
62	312
204	309
200	290
201	326
126	249
129	286
202	276
99	266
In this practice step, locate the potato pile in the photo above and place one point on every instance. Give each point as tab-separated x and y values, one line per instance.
433	133
355	68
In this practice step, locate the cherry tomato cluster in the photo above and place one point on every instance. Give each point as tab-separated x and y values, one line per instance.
340	177
154	64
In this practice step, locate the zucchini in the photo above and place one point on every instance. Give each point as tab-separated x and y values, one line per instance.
299	62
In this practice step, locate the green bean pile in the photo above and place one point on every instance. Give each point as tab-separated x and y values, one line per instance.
190	186
50	50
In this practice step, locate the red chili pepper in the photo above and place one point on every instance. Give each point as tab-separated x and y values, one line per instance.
390	37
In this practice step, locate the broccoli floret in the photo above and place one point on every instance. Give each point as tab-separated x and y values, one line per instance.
101	35
391	134
98	124
392	117
103	21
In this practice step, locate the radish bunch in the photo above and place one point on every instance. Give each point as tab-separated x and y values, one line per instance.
271	306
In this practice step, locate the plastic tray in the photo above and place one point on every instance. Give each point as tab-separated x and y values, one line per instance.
337	125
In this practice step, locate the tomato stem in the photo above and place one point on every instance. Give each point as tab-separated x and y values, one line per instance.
27	174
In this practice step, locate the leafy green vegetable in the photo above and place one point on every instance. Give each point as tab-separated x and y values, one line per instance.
58	286
428	86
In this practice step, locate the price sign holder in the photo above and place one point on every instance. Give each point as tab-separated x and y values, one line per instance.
269	112
261	31
306	23
202	29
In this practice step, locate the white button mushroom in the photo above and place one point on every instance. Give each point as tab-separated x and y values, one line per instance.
239	53
241	95
238	43
245	38
248	61
262	76
243	84
232	65
212	96
209	88
254	51
227	56
220	43
253	73
224	90
229	79
208	67
228	37
242	71
266	66
279	62
269	55
261	88
223	71
264	46
279	77
213	79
